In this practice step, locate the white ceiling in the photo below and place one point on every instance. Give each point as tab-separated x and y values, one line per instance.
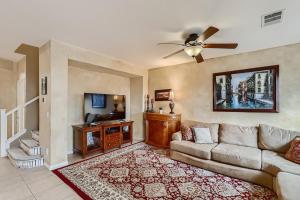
130	29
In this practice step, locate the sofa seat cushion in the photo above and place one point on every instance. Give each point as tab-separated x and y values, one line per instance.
287	186
242	156
198	150
273	163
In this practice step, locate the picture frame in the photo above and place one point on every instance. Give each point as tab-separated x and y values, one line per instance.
162	95
44	85
248	90
98	100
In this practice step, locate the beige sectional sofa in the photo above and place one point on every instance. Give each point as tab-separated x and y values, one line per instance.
254	154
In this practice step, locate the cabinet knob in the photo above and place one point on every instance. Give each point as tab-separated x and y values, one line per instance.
165	124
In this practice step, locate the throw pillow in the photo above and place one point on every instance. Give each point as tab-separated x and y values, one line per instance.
202	135
293	153
187	133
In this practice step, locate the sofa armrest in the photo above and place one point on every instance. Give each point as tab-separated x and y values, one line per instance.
177	136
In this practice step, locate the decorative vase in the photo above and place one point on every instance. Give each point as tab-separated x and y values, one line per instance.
161	111
172	105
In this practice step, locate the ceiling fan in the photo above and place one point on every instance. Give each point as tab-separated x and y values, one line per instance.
194	44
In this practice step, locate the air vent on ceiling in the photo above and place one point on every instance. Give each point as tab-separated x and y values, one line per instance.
272	18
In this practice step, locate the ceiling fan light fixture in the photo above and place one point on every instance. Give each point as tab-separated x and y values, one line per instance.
193	51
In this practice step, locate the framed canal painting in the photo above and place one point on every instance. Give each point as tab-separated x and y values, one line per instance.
249	90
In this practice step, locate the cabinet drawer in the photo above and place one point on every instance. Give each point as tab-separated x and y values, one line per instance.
113	140
113	137
112	144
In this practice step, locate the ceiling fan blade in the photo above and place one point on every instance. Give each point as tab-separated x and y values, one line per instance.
162	43
207	33
172	54
199	58
221	45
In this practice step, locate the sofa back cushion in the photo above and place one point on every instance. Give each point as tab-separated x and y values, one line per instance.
186	132
293	153
239	135
275	139
213	128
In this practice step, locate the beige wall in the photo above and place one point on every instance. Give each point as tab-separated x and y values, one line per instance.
32	84
11	74
192	84
7	88
85	81
45	101
54	62
136	94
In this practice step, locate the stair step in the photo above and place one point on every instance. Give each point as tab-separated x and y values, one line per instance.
20	159
19	154
30	146
35	135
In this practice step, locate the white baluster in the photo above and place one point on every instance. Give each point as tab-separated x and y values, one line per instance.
19	120
23	119
13	124
3	132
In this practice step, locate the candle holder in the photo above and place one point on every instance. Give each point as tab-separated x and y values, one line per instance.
147	103
152	107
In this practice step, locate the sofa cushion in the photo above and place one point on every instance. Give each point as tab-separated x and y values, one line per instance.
177	136
273	163
239	135
202	135
186	132
293	153
242	156
198	150
213	127
287	186
275	139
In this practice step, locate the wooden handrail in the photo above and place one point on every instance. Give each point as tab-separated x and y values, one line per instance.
25	105
31	101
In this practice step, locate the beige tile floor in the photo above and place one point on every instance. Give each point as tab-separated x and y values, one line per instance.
31	184
34	184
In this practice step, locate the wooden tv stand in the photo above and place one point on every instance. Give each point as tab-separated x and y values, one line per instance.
103	136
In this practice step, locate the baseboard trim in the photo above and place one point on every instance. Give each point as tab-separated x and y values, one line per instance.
138	139
70	152
56	166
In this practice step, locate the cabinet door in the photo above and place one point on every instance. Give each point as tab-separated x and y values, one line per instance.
157	133
174	126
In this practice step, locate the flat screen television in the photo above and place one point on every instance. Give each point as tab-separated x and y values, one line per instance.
104	107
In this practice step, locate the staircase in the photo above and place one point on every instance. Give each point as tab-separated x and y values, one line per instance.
28	154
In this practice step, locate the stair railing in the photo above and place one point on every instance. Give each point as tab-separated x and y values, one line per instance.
12	125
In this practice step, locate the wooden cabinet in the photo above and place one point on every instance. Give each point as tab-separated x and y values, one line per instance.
112	136
160	127
101	137
87	139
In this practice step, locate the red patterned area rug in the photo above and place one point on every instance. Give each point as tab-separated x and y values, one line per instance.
140	171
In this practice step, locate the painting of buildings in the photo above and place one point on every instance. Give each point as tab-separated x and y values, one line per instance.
246	90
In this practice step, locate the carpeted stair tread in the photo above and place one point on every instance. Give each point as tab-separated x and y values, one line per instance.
35	135
35	132
30	143
19	154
